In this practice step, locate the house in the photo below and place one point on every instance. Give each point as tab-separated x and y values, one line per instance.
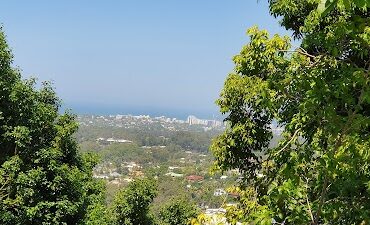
219	192
233	194
215	211
172	174
194	178
137	173
173	167
115	174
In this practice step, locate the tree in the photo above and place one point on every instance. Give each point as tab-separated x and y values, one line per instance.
178	212
319	93
44	180
131	205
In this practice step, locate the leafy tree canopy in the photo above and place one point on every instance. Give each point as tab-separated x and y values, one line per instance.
131	204
43	179
319	93
178	212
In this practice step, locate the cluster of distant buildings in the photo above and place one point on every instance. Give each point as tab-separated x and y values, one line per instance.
128	121
111	140
192	120
109	171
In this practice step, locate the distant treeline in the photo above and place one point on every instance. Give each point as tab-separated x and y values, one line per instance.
188	140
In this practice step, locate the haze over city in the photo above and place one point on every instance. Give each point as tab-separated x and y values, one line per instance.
139	57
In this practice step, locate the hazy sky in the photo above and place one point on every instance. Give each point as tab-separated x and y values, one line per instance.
142	57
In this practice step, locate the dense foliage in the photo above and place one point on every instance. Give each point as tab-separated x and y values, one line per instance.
178	212
319	93
193	140
44	180
131	205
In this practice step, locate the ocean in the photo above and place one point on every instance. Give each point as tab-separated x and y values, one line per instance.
93	109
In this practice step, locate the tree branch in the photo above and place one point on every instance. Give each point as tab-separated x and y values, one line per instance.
309	205
300	51
346	128
287	144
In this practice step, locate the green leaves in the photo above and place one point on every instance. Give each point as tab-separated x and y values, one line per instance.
43	179
20	135
178	212
325	6
249	101
318	94
131	205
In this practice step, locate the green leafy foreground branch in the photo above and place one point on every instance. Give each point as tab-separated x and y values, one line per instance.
319	94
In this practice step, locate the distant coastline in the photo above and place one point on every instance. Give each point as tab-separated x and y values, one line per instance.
182	114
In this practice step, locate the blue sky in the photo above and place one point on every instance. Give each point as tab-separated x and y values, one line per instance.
166	57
